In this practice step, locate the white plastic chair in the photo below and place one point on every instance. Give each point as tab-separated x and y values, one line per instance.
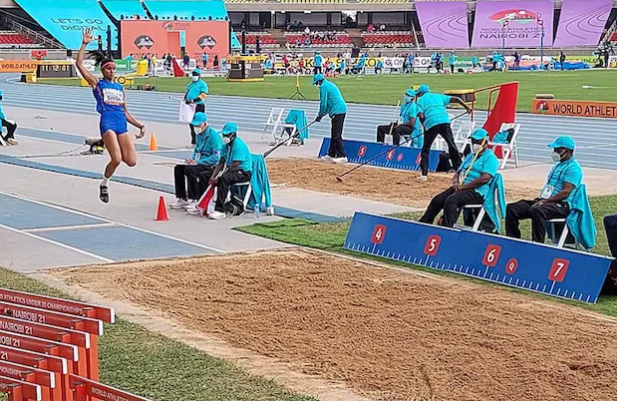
247	195
461	135
508	149
273	123
564	233
476	224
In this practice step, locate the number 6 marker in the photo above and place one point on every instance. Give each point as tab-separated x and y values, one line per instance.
491	255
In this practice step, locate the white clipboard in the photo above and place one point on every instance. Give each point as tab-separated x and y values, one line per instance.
186	112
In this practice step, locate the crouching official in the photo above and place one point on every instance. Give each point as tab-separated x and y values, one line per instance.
408	124
237	164
197	171
476	172
555	201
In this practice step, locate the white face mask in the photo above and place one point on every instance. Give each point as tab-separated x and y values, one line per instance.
194	78
556	157
226	140
476	147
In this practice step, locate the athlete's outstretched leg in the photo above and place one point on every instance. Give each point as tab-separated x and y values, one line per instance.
115	153
129	156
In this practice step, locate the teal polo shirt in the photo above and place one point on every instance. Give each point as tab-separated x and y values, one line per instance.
569	171
238	151
433	105
486	163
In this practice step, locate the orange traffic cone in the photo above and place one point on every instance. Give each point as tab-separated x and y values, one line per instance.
153	145
161	213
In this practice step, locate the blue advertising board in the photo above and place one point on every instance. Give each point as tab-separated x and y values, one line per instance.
526	265
66	19
402	158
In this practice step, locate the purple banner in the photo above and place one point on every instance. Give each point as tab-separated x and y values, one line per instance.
520	22
444	24
581	22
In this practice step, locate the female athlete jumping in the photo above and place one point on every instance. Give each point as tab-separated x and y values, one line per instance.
110	104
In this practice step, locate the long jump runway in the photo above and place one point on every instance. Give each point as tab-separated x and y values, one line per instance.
50	216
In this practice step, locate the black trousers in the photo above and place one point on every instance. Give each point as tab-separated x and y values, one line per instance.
451	202
397	132
610	225
195	177
336	136
10	129
228	179
316	70
445	131
539	215
199	108
452	68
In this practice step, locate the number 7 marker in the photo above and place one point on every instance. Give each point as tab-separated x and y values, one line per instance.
558	271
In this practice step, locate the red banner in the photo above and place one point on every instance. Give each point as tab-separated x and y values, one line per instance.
198	37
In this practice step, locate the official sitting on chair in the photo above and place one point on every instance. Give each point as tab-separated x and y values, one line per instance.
198	169
236	164
408	124
563	197
476	172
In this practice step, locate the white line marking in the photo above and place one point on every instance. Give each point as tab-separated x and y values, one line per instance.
67	228
92	255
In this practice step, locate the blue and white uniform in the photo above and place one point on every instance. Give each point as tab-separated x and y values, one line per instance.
110	105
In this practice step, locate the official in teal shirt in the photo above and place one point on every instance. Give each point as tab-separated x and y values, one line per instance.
434	116
196	92
408	124
331	102
318	62
195	173
452	61
555	200
235	167
476	173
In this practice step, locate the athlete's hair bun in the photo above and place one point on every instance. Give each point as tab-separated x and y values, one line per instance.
99	58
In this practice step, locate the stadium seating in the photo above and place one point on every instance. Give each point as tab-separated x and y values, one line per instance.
614	37
10	39
342	40
388	39
186	9
125	8
265	39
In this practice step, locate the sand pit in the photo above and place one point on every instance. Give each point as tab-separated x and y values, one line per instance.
391	186
388	334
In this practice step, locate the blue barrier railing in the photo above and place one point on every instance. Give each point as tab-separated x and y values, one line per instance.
66	19
526	265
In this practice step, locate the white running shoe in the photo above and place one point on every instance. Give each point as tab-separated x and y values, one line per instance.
422	178
194	210
217	215
190	204
326	158
339	160
12	141
179	204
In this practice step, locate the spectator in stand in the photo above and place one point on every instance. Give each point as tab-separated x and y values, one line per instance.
370	28
382	27
317	62
452	61
307	41
307	30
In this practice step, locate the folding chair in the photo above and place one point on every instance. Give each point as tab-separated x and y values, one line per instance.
2	143
273	123
461	135
241	187
508	149
481	214
555	224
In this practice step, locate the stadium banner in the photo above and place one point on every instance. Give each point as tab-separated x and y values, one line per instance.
574	108
581	22
159	37
518	21
18	65
444	24
66	19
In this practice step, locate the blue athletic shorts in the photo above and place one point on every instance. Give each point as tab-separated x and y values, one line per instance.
115	122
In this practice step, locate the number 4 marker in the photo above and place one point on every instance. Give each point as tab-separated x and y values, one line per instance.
378	234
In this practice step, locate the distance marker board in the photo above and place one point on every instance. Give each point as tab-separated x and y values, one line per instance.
402	158
526	265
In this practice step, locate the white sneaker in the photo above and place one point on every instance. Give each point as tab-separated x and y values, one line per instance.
193	210
179	204
422	178
190	204
217	215
339	160
326	158
12	141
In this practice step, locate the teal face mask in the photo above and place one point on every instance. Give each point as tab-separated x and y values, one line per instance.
408	99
